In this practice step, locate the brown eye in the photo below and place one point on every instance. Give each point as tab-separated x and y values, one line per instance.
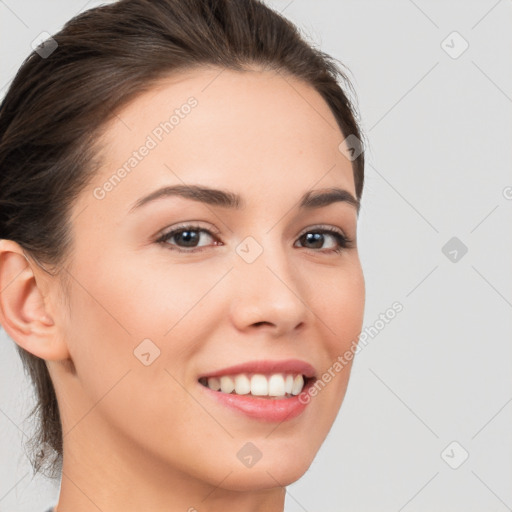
185	237
314	239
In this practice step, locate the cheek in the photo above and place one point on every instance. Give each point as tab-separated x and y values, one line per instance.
340	308
125	311
108	322
153	299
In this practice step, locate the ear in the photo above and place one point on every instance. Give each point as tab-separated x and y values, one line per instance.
25	310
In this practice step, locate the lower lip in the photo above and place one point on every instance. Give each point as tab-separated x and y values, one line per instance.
265	409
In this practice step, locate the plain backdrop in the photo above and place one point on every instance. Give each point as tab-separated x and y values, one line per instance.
426	422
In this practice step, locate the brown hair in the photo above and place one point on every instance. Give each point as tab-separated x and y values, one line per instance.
52	114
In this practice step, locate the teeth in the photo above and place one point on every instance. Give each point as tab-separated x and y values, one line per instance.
259	385
214	383
226	384
298	384
288	385
242	385
275	385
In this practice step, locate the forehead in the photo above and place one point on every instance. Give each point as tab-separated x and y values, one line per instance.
240	129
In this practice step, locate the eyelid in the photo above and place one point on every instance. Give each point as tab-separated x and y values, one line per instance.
187	225
195	225
327	227
346	242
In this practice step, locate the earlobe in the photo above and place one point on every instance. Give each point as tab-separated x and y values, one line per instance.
24	314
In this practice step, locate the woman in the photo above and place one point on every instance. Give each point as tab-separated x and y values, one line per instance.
179	192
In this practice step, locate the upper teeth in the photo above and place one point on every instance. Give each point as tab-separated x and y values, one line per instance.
258	384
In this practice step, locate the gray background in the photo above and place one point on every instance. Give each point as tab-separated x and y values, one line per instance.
439	160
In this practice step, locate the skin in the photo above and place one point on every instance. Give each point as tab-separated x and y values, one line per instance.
142	437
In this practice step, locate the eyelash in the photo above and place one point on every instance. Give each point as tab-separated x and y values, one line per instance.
343	241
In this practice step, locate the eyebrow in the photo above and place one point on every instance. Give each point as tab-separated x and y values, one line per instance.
223	198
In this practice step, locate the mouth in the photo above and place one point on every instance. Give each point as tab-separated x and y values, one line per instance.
270	386
262	379
261	390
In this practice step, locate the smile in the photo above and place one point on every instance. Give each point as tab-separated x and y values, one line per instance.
261	390
276	385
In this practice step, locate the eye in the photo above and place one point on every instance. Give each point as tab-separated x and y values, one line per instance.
316	236
188	235
186	238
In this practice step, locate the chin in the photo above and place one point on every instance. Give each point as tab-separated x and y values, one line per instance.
278	468
261	477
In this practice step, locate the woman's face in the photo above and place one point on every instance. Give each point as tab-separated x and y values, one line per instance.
253	283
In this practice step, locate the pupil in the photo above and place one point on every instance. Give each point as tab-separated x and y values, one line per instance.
188	237
314	237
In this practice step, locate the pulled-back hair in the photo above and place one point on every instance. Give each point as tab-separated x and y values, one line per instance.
63	95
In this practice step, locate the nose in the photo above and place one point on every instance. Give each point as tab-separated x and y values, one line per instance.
269	295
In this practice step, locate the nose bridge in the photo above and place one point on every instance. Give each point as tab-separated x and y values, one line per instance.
270	291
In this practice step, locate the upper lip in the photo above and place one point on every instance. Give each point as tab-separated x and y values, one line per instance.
293	366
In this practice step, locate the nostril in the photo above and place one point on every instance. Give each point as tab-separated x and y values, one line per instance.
262	323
